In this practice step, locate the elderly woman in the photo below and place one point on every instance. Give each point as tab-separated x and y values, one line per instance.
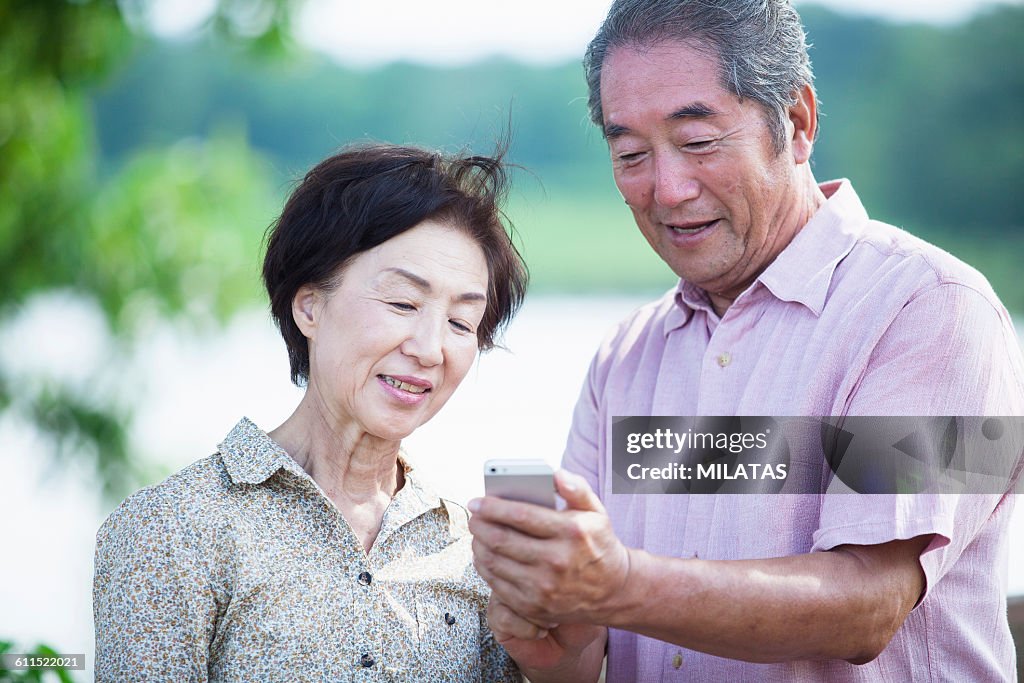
313	551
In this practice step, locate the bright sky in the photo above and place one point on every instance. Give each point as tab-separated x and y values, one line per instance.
371	32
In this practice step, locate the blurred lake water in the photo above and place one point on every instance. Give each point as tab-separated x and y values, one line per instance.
190	391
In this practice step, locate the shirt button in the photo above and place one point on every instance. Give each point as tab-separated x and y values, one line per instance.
366	661
677	660
449	619
724	359
365	578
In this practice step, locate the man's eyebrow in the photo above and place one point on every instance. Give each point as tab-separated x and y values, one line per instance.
424	285
614	130
697	110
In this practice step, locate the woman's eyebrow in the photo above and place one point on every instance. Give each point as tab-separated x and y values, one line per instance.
415	279
425	286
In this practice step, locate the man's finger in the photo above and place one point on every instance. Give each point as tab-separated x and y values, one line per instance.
492	566
525	606
534	520
506	541
506	624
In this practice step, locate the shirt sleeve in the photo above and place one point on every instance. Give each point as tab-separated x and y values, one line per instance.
949	352
582	450
153	606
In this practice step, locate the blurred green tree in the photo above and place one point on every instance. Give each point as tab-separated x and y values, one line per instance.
173	230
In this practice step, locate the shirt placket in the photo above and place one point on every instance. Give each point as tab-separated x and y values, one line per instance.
373	663
722	366
365	658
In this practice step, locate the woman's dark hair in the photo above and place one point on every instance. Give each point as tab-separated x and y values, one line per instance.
365	195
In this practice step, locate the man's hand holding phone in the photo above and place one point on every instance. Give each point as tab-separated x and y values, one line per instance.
553	575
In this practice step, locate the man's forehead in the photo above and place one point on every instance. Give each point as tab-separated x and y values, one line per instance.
686	53
670	80
661	70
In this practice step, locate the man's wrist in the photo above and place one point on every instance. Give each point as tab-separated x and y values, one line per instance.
625	599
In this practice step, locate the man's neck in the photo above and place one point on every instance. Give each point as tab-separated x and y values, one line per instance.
798	214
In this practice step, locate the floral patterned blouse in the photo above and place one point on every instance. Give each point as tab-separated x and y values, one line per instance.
239	568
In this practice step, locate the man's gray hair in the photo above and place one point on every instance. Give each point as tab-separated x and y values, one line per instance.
760	46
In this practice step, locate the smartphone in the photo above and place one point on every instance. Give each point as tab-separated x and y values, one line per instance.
527	481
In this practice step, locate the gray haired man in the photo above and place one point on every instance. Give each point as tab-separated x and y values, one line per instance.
791	301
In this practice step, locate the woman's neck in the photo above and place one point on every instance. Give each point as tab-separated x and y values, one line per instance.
359	472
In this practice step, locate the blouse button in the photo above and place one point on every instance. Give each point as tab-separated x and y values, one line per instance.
677	660
366	661
724	359
449	619
365	578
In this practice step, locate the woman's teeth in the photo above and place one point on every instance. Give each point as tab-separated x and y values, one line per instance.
404	386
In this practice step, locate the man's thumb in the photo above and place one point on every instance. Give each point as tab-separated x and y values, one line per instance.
577	493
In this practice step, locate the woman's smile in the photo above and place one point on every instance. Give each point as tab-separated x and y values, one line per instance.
409	390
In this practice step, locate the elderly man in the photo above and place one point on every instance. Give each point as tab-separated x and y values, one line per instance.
791	301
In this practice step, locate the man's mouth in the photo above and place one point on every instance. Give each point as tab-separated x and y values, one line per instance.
404	386
690	228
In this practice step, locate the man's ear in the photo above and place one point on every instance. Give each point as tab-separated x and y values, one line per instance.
804	117
306	310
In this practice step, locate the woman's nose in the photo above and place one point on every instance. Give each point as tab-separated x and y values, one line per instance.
426	341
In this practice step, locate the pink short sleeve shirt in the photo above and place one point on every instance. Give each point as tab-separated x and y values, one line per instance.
855	317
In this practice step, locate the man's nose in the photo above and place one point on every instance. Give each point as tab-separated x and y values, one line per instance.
425	342
674	179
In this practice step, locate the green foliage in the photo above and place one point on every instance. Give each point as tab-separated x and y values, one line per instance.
179	230
70	42
929	122
173	229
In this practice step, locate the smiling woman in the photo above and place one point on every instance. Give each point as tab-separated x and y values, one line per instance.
396	334
314	551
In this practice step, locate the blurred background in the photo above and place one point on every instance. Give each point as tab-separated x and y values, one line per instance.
146	146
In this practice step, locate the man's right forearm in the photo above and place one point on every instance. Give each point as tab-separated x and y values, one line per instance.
841	604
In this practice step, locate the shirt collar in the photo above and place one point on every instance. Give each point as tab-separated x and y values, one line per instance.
251	457
803	271
686	298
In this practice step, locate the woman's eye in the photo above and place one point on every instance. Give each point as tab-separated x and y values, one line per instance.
461	327
401	306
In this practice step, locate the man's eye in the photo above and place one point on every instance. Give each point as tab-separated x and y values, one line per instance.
401	306
700	145
630	157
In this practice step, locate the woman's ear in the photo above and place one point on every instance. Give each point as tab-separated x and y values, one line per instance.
305	310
